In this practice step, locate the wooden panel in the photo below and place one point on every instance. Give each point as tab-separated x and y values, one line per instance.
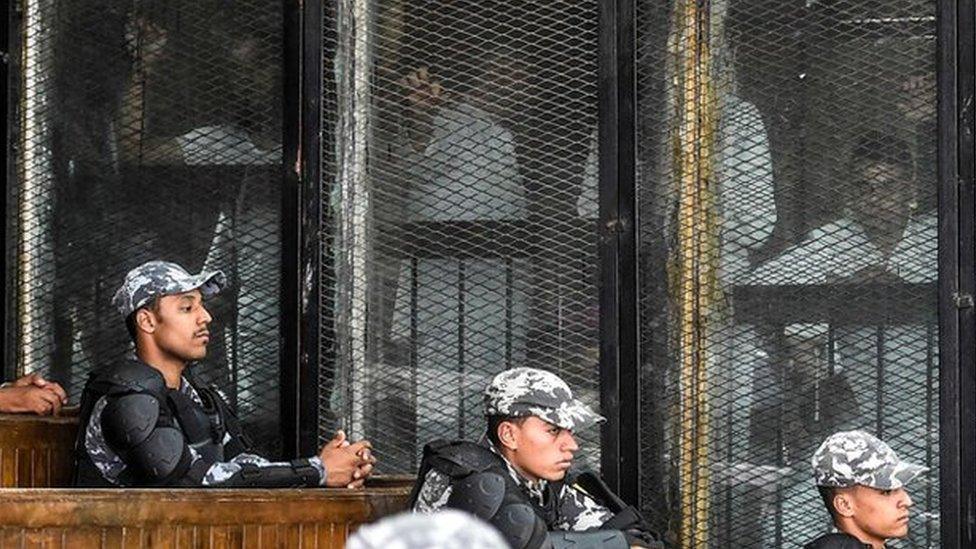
112	538
161	536
11	537
36	451
83	538
24	467
269	536
43	538
332	536
7	475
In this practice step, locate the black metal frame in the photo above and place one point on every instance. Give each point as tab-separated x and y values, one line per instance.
957	277
9	78
301	225
617	231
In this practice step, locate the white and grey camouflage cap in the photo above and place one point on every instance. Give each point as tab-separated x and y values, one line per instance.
848	458
446	529
523	392
160	278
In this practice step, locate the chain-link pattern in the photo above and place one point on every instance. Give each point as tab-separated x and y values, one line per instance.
788	241
464	202
149	130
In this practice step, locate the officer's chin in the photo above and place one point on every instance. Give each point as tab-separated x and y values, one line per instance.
558	473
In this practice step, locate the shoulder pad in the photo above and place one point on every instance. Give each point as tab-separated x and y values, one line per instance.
460	458
128	420
160	455
480	494
521	527
132	376
836	541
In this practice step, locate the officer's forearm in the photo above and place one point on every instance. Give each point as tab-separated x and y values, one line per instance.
298	473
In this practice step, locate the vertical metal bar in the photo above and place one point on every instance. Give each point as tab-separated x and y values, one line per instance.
929	396
879	343
301	223
781	454
955	59
460	343
509	296
414	289
617	237
10	79
831	349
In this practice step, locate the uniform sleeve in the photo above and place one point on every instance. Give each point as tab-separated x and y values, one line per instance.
434	493
579	512
228	473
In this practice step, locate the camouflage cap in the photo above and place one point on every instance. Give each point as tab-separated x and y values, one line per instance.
159	278
848	458
447	529
530	392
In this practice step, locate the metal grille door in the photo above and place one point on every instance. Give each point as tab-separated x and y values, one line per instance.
464	206
147	130
787	197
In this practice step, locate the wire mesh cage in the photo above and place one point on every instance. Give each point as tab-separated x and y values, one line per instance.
464	204
788	240
148	130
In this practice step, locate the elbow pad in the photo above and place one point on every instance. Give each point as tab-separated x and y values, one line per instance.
597	539
298	473
483	495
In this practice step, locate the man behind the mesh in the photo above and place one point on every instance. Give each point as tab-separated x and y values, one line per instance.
862	483
518	477
143	423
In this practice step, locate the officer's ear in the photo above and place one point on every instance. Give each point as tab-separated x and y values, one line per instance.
843	503
507	435
146	320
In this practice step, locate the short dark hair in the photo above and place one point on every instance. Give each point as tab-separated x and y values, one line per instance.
495	421
828	493
130	321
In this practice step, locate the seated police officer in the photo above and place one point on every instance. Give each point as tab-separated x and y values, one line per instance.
862	483
144	424
518	477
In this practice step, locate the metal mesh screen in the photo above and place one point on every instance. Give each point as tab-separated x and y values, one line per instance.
788	242
148	130
464	203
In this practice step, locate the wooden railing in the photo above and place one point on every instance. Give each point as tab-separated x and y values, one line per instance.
36	453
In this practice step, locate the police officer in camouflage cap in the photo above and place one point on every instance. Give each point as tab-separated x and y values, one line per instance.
862	483
518	477
145	423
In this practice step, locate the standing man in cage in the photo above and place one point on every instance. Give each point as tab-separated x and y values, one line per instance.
519	476
862	484
457	159
144	423
833	372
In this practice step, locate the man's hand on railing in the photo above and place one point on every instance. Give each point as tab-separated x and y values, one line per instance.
32	394
347	464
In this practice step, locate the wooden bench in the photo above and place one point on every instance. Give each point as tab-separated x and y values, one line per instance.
37	510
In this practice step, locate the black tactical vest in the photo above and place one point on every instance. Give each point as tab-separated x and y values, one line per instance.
204	428
460	459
